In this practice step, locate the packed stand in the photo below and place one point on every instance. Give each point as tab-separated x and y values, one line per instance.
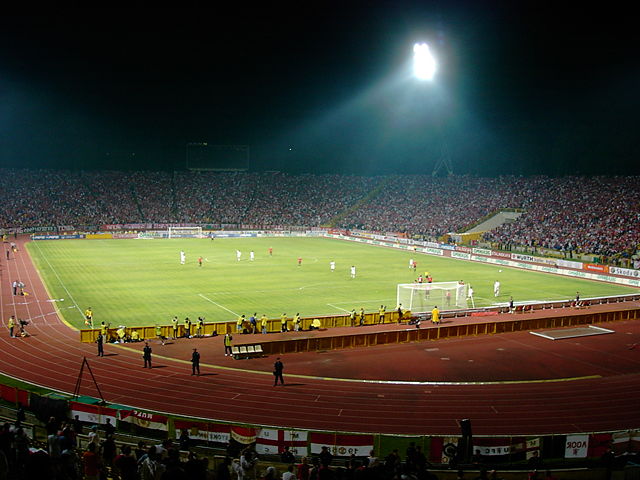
424	205
310	200
597	215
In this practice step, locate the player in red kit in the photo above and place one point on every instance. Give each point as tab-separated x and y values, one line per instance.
299	261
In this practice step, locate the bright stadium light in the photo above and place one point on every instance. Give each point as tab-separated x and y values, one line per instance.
424	65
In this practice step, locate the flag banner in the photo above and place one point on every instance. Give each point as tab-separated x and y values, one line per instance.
449	449
496	446
272	442
598	444
576	446
342	445
209	432
93	413
627	441
144	419
243	435
532	447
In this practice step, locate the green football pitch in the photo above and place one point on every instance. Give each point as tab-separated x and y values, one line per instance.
142	282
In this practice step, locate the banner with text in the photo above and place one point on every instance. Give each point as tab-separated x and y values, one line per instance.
342	445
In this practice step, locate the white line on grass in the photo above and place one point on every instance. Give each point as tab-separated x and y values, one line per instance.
217	304
60	280
337	308
358	301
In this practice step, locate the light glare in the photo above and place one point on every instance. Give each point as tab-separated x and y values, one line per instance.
424	65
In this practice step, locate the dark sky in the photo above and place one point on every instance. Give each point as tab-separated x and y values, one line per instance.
522	87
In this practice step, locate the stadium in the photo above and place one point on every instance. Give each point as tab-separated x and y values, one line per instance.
475	322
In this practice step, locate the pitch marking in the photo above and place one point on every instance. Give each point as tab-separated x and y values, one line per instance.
337	308
217	304
60	280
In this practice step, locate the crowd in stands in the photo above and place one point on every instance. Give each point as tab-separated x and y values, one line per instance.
71	454
597	215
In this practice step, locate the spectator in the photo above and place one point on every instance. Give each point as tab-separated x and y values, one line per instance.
125	464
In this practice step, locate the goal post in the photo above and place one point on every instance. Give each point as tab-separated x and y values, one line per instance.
185	232
422	297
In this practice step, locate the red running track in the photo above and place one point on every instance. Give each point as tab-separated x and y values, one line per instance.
242	391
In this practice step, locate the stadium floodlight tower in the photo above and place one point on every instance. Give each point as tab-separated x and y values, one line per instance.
424	65
424	68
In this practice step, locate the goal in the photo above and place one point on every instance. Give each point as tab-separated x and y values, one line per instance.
422	297
185	232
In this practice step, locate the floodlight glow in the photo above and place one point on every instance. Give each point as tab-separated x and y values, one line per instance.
424	65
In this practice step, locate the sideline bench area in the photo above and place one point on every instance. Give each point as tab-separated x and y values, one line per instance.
241	352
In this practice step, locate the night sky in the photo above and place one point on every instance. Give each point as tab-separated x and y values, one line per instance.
522	87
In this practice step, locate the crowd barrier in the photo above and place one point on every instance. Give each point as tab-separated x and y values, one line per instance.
359	338
90	335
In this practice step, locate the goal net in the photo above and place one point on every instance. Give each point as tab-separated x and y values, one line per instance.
422	297
185	232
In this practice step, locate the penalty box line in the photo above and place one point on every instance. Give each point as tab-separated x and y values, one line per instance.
218	305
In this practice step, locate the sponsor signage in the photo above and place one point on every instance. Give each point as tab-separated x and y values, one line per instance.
627	272
56	237
433	251
593	267
37	229
482	251
569	264
523	258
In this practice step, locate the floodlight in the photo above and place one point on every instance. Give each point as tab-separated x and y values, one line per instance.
424	65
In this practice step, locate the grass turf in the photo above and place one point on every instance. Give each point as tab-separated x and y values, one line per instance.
138	282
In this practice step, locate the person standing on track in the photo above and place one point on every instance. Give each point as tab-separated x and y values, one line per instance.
146	355
200	327
159	334
195	362
278	367
227	345
435	315
100	342
174	322
11	324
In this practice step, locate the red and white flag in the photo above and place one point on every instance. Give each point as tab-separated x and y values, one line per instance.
144	419
93	413
342	445
244	435
272	442
210	432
